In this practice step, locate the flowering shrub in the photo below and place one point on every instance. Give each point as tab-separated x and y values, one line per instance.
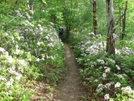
26	52
106	76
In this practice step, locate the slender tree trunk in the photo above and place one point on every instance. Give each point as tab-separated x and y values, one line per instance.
110	47
120	20
124	20
94	16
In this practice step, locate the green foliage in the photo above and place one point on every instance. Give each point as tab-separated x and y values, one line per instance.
77	52
14	93
101	72
30	49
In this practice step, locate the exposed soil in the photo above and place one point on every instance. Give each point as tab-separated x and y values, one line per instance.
70	88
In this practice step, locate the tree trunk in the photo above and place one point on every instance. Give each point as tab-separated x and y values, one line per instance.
110	47
124	20
94	16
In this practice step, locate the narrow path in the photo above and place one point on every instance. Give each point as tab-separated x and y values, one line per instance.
70	89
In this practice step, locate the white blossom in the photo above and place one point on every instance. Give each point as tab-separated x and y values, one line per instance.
47	37
2	78
16	46
107	85
6	53
117	51
6	34
106	67
10	82
22	62
118	68
17	51
96	80
10	59
106	97
37	59
2	50
100	85
8	93
39	43
119	76
130	99
117	85
100	88
104	75
107	70
50	45
41	28
100	61
19	76
127	90
100	67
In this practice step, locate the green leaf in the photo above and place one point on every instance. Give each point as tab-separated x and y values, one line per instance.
44	1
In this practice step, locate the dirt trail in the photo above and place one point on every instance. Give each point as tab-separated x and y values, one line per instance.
70	89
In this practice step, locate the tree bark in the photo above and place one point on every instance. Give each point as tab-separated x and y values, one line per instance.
124	20
110	47
94	16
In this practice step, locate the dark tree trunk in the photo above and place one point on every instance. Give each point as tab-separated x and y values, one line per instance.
94	16
124	20
110	47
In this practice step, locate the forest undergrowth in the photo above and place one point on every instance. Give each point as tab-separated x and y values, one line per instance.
31	57
31	53
106	77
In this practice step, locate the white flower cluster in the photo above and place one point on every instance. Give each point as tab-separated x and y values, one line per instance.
106	97
124	51
117	85
101	61
2	50
107	69
127	90
15	68
97	47
94	48
101	87
88	47
120	76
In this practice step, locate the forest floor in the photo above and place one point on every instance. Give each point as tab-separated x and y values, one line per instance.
69	88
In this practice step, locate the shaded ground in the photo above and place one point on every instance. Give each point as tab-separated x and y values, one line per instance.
70	89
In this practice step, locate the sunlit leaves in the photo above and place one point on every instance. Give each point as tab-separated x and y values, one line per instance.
44	1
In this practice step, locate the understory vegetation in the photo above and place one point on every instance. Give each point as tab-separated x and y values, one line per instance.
105	77
30	53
